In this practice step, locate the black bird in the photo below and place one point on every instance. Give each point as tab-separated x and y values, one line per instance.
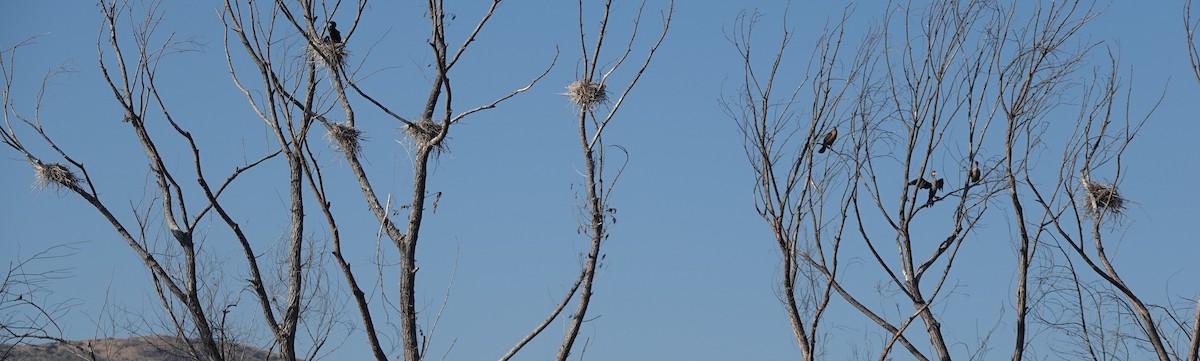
828	141
975	175
334	36
933	187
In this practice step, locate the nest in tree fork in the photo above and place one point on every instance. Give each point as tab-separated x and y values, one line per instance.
586	95
424	131
1103	197
345	137
327	53
46	175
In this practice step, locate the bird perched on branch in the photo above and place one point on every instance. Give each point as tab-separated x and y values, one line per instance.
933	186
937	186
332	34
828	141
974	174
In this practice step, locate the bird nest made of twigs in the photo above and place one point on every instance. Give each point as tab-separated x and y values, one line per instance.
586	95
1103	198
327	53
345	137
424	131
53	174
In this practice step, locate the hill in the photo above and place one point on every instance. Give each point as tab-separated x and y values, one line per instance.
164	348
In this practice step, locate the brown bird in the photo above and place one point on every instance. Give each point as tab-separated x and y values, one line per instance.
829	139
975	175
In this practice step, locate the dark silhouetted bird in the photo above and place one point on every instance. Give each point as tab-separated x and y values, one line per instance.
334	36
975	175
828	141
933	186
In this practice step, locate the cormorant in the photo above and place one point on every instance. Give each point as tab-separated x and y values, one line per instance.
935	187
975	175
828	142
334	36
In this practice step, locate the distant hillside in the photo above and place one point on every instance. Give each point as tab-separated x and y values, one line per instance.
157	348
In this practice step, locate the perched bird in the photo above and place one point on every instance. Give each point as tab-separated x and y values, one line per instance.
334	36
935	187
828	141
975	175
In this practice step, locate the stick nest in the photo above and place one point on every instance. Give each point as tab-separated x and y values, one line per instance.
53	174
424	131
586	95
1102	197
345	138
327	53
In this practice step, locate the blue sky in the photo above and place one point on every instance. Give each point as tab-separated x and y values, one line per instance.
690	268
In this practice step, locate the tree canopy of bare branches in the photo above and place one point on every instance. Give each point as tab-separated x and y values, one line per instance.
936	120
297	180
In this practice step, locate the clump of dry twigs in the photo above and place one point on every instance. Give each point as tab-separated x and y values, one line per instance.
327	53
1102	197
424	131
53	174
586	95
345	137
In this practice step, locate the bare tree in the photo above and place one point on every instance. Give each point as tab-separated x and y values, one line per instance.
793	186
589	93
63	177
172	244
596	110
298	89
291	63
950	80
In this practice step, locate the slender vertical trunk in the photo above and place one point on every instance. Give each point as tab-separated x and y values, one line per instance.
1022	295
789	289
1025	256
287	336
913	283
408	256
596	209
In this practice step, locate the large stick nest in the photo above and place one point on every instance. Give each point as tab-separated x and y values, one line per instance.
587	95
327	53
345	137
1102	197
53	174
423	132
